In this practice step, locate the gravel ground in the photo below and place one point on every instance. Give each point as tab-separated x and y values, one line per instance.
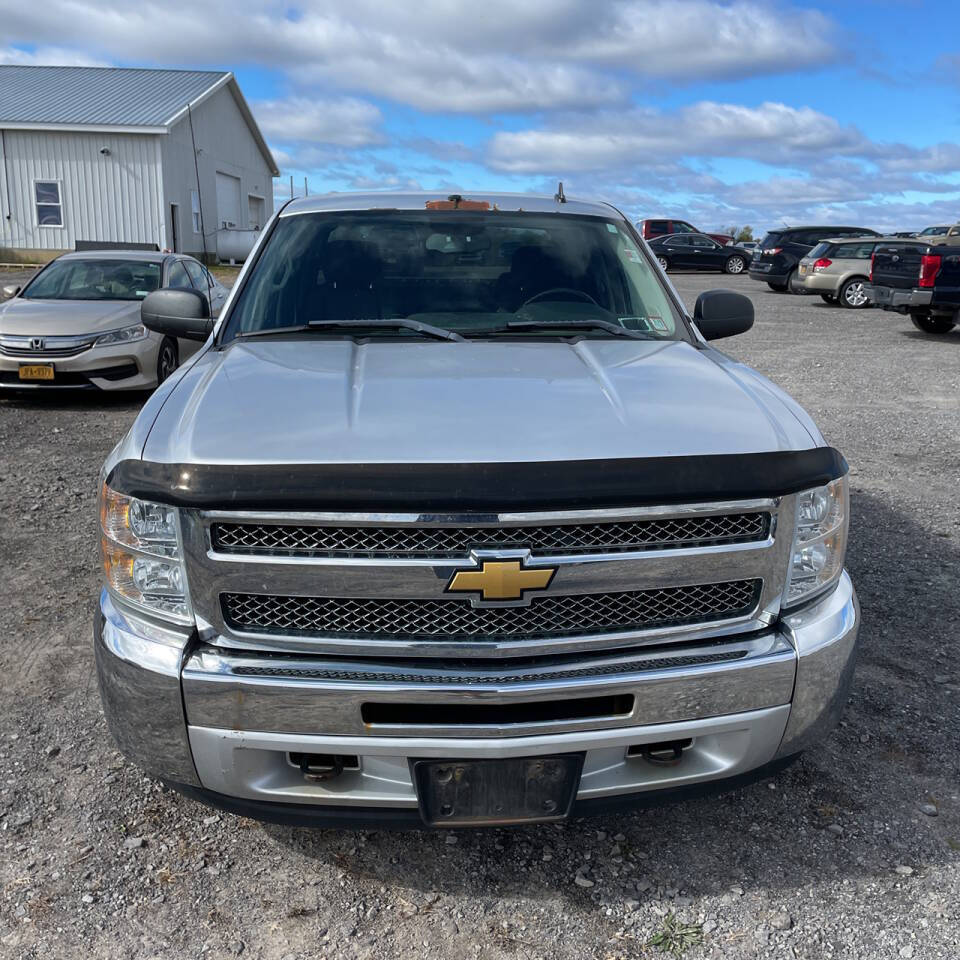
852	852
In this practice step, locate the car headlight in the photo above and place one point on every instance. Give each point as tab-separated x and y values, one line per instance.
142	555
124	335
819	541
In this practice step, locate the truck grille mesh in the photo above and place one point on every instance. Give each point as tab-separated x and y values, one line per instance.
393	541
550	616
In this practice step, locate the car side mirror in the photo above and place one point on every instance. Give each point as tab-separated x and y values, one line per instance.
722	313
177	313
11	290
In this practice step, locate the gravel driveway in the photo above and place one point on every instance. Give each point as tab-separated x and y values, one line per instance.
852	852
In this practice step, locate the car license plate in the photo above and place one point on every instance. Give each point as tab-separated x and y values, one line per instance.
518	790
36	371
803	269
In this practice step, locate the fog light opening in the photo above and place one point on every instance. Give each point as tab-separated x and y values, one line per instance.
318	767
665	753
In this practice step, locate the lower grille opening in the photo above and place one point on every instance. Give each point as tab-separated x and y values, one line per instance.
496	714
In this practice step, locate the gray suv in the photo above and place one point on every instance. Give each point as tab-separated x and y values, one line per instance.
458	518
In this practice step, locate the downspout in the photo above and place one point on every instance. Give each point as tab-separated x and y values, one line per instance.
8	216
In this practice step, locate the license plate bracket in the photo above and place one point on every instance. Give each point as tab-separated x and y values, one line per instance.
36	371
456	793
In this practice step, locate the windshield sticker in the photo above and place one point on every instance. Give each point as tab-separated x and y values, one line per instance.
634	323
612	227
657	322
632	255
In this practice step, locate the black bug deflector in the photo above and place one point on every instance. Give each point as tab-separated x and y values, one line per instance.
449	487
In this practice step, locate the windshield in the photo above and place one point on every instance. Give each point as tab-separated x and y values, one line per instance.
472	273
94	280
820	250
770	241
933	231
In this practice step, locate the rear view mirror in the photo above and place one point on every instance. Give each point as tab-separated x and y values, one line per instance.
722	313
11	290
177	313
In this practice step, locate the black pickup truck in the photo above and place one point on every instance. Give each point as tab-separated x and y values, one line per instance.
922	281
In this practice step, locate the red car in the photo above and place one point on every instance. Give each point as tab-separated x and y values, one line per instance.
659	228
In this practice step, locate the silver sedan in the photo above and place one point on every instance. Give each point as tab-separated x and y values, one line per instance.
76	323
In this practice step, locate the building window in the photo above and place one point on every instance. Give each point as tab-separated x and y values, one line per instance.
195	209
47	195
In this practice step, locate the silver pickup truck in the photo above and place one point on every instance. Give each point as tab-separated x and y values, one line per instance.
457	518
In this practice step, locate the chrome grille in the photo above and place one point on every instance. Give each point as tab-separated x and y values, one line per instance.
17	346
457	541
548	616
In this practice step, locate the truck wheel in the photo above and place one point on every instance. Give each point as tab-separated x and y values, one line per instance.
734	265
852	296
777	287
930	324
830	298
167	359
791	279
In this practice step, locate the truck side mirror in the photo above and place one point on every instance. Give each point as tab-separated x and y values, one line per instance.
177	313
722	313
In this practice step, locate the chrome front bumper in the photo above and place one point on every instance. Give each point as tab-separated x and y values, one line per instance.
225	723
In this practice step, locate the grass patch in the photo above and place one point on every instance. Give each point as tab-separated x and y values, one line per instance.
675	936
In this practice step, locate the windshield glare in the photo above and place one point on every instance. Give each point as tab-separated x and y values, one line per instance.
94	280
468	272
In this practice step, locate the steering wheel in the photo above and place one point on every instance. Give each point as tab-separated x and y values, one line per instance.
585	297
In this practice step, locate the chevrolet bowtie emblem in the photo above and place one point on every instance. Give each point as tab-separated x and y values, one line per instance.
501	580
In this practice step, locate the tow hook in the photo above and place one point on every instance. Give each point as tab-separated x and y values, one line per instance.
665	754
318	767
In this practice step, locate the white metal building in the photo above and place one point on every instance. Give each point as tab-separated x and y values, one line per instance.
170	159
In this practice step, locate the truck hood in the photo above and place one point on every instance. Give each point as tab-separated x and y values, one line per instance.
331	401
51	318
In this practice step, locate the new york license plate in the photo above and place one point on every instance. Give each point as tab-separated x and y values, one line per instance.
36	371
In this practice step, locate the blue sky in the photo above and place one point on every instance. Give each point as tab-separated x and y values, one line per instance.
720	111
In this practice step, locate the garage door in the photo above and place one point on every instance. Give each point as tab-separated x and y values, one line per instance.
228	200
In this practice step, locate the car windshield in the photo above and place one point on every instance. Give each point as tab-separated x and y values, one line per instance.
94	280
470	272
933	232
770	240
820	250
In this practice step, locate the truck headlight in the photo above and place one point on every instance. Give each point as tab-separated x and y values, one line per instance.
819	541
142	555
124	335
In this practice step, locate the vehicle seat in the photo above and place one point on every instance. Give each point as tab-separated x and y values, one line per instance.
121	282
349	277
532	270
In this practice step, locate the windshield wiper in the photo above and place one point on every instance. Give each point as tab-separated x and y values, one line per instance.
400	323
585	324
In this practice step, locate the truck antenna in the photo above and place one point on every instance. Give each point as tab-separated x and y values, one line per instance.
558	196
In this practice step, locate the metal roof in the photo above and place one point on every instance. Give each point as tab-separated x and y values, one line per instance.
99	96
386	200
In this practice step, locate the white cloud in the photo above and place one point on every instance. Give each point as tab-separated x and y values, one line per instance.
538	55
48	56
343	122
772	133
